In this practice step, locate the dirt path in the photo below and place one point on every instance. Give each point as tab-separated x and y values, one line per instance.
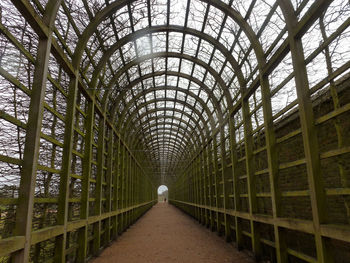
167	235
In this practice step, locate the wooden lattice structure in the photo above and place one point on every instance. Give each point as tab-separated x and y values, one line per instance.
242	108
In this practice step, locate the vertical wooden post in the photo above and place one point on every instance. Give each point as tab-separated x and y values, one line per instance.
272	154
309	133
193	190
84	210
201	189
114	205
224	185
205	187
249	158
210	185
119	186
123	199
24	211
109	184
99	183
214	160
63	202
196	189
127	188
236	193
130	187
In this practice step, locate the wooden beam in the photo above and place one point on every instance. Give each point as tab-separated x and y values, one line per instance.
24	211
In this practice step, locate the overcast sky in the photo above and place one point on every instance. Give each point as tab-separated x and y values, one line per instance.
161	189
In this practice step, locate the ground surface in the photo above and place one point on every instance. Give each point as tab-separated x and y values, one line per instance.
167	235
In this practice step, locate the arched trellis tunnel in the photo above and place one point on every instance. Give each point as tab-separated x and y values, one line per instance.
240	107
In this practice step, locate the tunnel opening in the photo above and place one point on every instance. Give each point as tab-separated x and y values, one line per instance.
240	107
163	193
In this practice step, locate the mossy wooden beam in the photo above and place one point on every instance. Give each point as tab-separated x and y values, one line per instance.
63	202
204	176
250	168
235	184
99	182
109	143
217	175
16	243
340	232
11	244
24	211
272	155
309	133
84	212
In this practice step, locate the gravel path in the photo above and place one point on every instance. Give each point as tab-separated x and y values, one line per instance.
167	235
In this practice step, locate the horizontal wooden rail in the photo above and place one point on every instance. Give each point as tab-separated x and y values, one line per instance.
340	232
12	244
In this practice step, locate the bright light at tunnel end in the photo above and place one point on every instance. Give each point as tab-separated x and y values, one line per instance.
162	189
